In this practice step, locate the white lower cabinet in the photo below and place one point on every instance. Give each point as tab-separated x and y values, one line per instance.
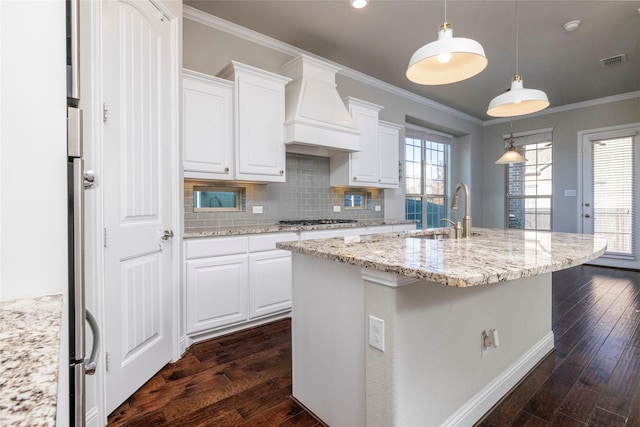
216	292
234	280
269	282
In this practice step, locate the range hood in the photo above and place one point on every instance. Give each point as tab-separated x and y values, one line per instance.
316	119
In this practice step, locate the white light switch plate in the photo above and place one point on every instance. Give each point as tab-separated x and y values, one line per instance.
257	209
336	208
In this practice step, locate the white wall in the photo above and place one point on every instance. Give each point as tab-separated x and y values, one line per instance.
33	153
566	125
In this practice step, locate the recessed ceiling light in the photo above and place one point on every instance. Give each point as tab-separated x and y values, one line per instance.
359	4
571	26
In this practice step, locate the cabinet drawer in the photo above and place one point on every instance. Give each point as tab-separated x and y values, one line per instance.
267	242
327	234
202	248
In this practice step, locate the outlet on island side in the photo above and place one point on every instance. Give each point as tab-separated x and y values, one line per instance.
376	333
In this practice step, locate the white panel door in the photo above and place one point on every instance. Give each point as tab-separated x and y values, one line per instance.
137	195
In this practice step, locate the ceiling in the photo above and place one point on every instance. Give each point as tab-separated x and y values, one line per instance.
379	40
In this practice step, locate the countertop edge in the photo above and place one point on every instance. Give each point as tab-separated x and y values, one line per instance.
488	276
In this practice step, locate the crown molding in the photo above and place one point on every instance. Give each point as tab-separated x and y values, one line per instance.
569	107
203	18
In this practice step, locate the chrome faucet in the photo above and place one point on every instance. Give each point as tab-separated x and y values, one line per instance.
466	221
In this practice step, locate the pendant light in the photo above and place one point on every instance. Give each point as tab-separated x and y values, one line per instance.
510	155
517	100
446	60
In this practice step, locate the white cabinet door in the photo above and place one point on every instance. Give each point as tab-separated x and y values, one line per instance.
259	123
364	163
207	126
270	279
388	154
217	290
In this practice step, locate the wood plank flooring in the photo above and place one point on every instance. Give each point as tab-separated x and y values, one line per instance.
592	378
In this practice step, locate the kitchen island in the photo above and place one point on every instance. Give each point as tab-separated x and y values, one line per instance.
437	299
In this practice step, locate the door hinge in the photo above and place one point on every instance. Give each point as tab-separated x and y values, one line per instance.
105	113
105	237
107	363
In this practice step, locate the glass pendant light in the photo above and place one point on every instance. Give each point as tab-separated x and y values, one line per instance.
517	101
510	155
446	60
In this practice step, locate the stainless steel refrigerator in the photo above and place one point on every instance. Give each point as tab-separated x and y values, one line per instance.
77	181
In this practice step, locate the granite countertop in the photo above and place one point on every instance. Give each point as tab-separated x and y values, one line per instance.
29	359
491	256
278	228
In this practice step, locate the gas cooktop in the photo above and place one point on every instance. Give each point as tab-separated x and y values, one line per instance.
317	221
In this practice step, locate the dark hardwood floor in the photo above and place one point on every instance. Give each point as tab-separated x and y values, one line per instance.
592	378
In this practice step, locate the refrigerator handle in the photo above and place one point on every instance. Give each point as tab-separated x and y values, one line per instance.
78	255
90	363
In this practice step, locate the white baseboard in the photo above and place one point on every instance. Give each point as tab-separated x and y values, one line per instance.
203	336
486	398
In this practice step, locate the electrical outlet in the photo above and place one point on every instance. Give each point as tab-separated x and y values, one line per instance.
378	208
336	208
376	333
257	209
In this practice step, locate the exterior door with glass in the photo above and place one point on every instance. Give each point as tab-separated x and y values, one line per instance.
609	203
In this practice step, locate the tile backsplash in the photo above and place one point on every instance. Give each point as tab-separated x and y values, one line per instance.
305	195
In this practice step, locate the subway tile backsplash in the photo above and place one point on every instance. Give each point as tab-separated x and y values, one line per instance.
305	195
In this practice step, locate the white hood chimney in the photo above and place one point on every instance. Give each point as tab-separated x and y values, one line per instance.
315	115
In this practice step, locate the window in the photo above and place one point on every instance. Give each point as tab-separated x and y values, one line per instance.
530	185
356	200
426	176
207	199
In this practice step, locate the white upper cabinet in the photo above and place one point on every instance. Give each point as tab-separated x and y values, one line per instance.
388	154
207	126
376	164
259	123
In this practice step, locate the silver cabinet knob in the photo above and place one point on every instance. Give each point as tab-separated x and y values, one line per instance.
226	170
281	172
166	235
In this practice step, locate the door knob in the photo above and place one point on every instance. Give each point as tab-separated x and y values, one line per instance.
167	234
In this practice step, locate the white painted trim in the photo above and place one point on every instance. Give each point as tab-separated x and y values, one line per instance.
528	133
271	43
189	340
569	107
484	400
91	418
386	279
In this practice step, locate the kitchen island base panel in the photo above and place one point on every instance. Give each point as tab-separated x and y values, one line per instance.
432	371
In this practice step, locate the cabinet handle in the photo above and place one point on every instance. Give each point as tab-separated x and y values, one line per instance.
355	178
379	180
281	172
226	170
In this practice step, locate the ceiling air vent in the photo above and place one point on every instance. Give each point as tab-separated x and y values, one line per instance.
613	60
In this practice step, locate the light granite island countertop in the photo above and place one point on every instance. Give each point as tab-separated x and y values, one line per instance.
389	330
29	360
